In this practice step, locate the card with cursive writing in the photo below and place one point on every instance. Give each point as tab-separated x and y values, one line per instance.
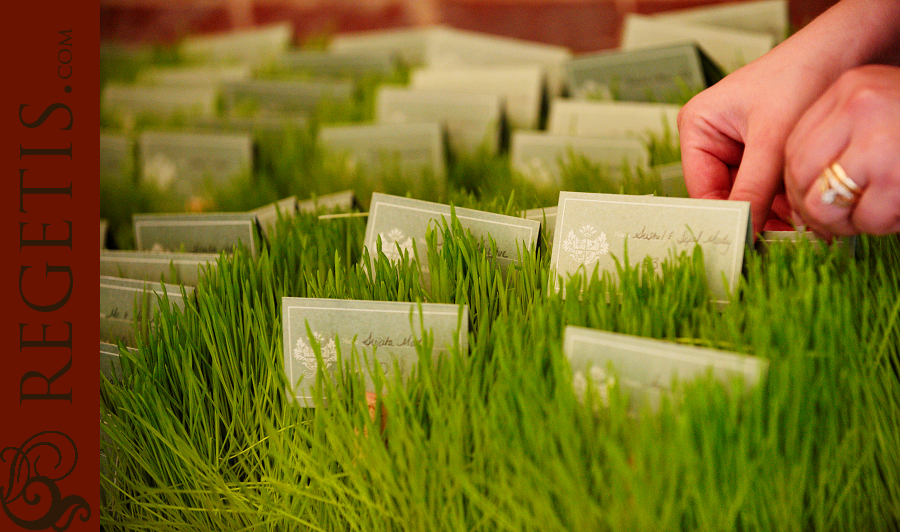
591	229
472	121
124	302
521	87
386	330
644	368
635	120
169	266
197	233
542	158
657	74
401	221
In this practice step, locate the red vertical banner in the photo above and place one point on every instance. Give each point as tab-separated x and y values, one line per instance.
49	367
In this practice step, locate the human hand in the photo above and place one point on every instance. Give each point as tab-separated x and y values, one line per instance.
855	123
733	134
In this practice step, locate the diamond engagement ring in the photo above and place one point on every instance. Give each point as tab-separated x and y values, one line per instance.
838	188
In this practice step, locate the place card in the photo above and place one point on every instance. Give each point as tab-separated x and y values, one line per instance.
160	100
351	64
267	215
472	121
213	232
386	331
451	47
645	368
767	239
730	49
104	230
116	157
671	179
168	266
181	161
204	75
541	158
658	74
342	201
111	361
640	120
409	44
520	87
415	150
591	229
761	16
280	97
124	302
256	45
546	216
400	222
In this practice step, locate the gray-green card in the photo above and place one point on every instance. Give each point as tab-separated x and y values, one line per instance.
644	368
401	221
212	232
591	231
386	331
169	266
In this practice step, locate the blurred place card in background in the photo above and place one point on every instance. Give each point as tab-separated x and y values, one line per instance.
116	157
409	44
542	158
268	214
639	120
158	100
521	87
111	361
342	201
197	233
204	75
354	64
671	179
760	16
591	229
451	47
414	152
257	45
669	73
644	368
181	161
730	49
171	267
546	216
472	121
104	229
125	302
284	97
386	331
768	239
401	221
257	125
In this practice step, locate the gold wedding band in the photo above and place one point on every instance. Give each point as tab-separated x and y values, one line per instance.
837	188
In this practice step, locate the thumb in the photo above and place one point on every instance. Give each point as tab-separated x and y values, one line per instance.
758	179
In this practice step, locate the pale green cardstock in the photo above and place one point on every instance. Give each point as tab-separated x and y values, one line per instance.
197	233
267	215
342	201
123	302
634	120
644	368
385	331
325	63
111	361
256	45
760	16
401	221
158	100
157	265
285	97
591	229
472	121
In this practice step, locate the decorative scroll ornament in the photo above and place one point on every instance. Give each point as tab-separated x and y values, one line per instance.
307	356
586	248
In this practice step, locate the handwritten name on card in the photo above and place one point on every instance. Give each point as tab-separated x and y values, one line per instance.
592	229
402	221
645	368
387	331
196	233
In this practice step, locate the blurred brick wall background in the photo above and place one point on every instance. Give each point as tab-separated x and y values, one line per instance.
580	25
